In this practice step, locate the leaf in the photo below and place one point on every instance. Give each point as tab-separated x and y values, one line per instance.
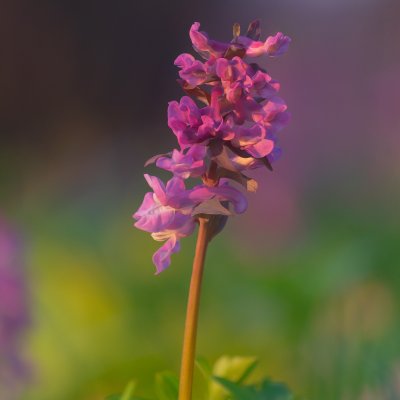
167	385
238	392
204	367
221	157
275	391
235	369
250	184
267	391
211	207
127	394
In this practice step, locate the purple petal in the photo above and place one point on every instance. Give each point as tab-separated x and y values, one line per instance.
152	216
274	46
162	257
277	45
158	187
261	148
195	74
184	60
175	186
203	45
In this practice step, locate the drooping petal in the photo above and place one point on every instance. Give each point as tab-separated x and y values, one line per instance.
162	257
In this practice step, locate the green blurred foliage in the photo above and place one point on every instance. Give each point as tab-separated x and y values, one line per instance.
323	317
226	380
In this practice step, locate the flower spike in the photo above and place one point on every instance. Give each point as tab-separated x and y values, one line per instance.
233	131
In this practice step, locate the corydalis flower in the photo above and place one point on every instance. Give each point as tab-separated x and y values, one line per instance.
250	45
168	212
234	130
184	164
192	124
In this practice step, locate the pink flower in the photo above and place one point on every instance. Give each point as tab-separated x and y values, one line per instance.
239	78
233	132
273	46
192	124
192	71
253	140
205	46
185	164
168	212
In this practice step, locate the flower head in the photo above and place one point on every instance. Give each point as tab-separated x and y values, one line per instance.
233	130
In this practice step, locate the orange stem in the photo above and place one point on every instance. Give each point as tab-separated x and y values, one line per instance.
192	313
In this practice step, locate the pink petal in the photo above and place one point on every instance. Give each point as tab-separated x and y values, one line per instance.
153	217
261	148
184	60
162	257
158	187
175	186
203	45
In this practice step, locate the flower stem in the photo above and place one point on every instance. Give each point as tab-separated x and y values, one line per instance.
192	313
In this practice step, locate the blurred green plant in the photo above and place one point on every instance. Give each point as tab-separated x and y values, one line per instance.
228	379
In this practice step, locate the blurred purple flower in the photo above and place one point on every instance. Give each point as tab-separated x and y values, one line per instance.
13	313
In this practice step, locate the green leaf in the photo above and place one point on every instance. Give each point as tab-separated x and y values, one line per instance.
267	391
275	391
204	367
167	386
238	392
127	394
234	369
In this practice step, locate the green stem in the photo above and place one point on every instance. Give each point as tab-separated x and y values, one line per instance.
192	313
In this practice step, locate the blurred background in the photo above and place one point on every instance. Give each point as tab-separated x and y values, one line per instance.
308	279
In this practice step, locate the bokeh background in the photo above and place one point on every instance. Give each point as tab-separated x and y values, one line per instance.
308	279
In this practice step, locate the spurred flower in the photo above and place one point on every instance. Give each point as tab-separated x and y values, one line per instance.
185	164
193	125
273	46
168	212
226	124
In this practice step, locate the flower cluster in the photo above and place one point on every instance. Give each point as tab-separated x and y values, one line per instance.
226	124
